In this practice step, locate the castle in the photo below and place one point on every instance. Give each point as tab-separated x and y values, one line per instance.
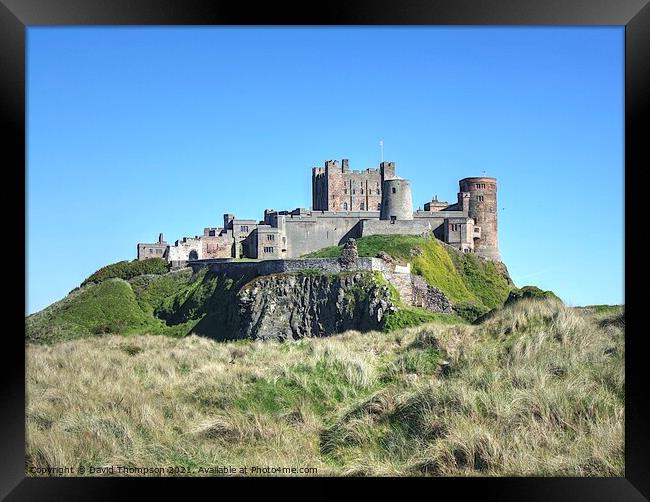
346	204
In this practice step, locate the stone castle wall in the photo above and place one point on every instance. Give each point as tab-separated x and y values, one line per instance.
153	250
400	227
236	269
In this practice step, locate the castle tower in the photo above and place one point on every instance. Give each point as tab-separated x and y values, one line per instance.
396	200
483	209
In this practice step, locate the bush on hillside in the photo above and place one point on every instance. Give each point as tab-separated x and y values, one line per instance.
518	294
128	269
470	311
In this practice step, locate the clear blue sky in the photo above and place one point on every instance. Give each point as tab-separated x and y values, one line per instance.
136	131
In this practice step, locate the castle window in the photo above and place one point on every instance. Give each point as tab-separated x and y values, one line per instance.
394	190
345	206
362	207
211	233
345	191
353	191
268	249
455	227
480	198
379	207
244	228
378	192
362	191
270	237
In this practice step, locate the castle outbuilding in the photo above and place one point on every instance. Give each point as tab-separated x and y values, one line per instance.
347	204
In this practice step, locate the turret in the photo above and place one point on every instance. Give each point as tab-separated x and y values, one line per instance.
396	200
483	209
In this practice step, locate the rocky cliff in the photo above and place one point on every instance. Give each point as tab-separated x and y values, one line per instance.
291	306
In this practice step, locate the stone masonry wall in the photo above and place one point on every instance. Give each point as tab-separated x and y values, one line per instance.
268	267
336	188
154	250
407	227
219	246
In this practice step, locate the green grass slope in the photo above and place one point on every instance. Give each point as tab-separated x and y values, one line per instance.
475	286
128	269
536	390
171	304
108	307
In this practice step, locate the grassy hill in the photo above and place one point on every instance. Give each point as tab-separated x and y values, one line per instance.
170	304
536	389
474	285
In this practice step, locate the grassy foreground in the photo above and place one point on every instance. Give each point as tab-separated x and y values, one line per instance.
536	389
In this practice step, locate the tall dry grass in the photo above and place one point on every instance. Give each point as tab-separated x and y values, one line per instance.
538	389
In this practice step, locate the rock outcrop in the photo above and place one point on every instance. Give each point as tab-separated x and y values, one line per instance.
349	254
292	306
428	297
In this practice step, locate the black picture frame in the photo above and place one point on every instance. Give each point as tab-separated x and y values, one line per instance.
17	15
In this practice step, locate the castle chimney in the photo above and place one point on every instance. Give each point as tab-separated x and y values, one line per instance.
387	170
160	238
346	166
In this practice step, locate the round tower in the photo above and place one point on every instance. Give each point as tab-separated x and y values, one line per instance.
396	200
483	209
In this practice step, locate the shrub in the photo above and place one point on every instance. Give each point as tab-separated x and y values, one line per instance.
529	292
128	269
469	311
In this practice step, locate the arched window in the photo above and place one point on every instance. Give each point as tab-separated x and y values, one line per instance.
345	206
362	207
193	255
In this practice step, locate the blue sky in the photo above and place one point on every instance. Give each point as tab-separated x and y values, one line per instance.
136	131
